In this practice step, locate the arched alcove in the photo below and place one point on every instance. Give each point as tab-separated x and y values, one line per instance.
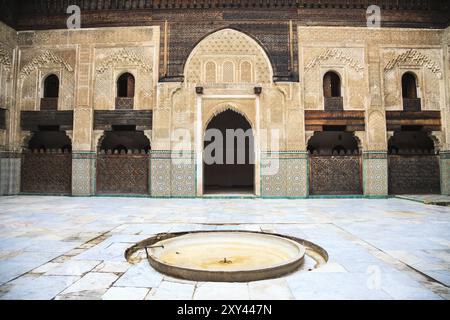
123	162
335	163
332	94
125	91
331	85
409	85
117	142
51	86
47	163
414	166
50	141
125	86
228	159
327	143
410	94
50	93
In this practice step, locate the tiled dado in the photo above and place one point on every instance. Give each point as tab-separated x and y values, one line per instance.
83	173
173	174
284	174
9	173
375	173
445	172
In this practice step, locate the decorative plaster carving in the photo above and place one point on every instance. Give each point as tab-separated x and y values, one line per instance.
69	133
5	59
226	47
389	135
228	106
376	131
119	57
308	136
45	58
149	135
361	138
337	54
25	137
97	138
438	139
415	57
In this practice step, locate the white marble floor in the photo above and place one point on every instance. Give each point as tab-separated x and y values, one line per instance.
73	248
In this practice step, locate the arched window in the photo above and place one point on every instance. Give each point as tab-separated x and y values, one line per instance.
409	86
125	86
411	102
331	85
228	72
51	86
125	91
210	72
50	94
246	71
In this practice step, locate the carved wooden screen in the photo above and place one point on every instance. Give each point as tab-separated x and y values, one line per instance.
414	174
122	174
335	175
48	173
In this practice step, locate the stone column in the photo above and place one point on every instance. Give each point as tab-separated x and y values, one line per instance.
375	163
10	137
83	153
9	173
10	153
445	117
160	171
284	166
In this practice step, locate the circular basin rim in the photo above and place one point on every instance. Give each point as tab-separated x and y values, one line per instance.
298	257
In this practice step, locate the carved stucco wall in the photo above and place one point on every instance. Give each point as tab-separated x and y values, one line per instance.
229	64
228	56
87	62
35	65
348	62
425	63
446	107
110	63
8	44
371	63
9	160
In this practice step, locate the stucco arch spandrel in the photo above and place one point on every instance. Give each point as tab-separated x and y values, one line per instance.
45	58
377	131
438	139
417	58
25	138
230	44
222	108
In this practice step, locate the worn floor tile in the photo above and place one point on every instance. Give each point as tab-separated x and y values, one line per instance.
92	281
221	291
140	276
172	291
121	293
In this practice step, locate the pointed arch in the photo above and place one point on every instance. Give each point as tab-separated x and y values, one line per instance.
225	107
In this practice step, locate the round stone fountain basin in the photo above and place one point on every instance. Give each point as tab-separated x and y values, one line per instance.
226	256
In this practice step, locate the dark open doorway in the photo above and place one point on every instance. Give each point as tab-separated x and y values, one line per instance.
228	165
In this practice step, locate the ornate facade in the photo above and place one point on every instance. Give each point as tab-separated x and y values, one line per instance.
331	109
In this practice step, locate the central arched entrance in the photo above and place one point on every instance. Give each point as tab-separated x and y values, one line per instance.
228	155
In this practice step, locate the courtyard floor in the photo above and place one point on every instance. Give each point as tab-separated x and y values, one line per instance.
73	248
